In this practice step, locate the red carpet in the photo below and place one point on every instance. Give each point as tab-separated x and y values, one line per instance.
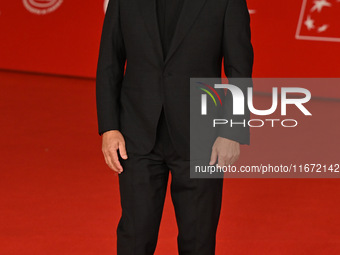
59	198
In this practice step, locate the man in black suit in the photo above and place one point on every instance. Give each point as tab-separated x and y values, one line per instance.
143	115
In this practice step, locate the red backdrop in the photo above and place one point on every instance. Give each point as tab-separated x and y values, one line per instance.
292	38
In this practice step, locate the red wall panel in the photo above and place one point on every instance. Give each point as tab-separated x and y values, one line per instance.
292	38
64	41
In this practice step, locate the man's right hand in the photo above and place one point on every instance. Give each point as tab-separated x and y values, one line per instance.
112	141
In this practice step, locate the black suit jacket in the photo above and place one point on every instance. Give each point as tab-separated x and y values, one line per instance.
207	31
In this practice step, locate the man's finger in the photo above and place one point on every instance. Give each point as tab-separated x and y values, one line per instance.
213	157
233	160
230	159
221	161
110	164
122	150
115	162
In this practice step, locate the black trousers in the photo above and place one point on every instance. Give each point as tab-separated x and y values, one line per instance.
143	185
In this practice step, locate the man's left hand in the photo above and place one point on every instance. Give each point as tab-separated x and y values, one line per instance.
225	151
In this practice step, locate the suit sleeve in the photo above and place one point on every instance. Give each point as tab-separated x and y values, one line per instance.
110	70
238	63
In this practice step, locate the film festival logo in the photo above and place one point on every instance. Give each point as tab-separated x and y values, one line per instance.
319	21
240	101
42	7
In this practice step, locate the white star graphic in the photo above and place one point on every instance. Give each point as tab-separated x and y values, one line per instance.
322	28
309	23
319	4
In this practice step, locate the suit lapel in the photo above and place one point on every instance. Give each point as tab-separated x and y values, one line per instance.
148	11
189	12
